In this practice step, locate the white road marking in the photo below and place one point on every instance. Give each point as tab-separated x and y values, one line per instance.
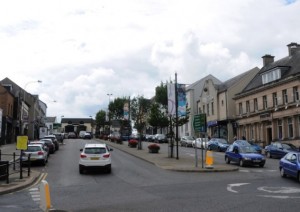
279	197
279	190
230	186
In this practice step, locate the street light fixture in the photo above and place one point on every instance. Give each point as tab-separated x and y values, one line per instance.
109	95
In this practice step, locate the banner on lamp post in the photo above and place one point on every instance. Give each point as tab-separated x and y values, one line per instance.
171	99
126	111
181	96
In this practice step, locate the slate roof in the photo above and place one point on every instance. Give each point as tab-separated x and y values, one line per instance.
227	84
289	65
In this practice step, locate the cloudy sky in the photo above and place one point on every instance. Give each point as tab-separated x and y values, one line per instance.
83	50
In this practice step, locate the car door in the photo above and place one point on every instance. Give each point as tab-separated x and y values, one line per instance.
292	165
234	154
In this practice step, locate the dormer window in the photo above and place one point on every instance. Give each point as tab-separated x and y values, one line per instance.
271	76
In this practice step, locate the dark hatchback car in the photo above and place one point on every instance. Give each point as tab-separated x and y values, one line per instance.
289	165
278	149
244	155
218	144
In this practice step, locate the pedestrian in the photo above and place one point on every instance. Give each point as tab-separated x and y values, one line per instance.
243	138
234	138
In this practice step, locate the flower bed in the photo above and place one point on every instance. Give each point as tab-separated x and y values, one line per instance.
153	148
132	143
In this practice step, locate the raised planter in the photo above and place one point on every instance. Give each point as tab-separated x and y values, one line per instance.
132	143
153	148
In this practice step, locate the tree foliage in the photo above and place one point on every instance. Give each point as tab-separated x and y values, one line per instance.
161	95
139	107
116	108
156	117
100	119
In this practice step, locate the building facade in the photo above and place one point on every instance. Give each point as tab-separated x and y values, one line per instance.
268	108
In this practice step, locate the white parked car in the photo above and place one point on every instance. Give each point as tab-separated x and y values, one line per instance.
95	156
200	143
37	154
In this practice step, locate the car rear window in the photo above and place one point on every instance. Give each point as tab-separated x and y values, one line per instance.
95	150
33	149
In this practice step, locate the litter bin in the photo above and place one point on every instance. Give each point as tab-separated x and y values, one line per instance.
3	170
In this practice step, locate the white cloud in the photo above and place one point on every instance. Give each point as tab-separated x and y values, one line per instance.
82	50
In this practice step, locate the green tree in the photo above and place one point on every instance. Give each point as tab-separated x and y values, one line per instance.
161	95
116	108
156	117
100	119
139	107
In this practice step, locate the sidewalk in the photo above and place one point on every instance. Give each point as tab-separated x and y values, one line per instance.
15	183
184	163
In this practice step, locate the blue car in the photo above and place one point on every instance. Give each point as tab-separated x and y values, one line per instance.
290	165
250	143
218	144
244	155
278	149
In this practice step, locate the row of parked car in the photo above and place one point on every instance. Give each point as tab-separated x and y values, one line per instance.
244	153
40	150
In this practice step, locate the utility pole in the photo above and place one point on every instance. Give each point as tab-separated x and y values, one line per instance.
176	116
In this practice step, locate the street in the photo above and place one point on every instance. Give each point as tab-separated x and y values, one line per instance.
136	185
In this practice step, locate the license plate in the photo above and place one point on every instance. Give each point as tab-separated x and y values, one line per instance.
256	161
94	158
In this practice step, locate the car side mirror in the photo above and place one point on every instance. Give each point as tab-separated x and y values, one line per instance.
111	149
80	150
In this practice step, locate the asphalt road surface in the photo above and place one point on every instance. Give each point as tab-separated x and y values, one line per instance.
136	185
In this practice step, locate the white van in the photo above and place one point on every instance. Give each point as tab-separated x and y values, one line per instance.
81	134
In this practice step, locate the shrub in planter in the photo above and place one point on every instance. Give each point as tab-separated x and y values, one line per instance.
132	143
153	148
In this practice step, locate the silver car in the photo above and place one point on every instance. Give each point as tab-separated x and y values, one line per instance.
187	141
37	154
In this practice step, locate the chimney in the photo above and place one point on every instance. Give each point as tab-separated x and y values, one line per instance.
267	59
293	48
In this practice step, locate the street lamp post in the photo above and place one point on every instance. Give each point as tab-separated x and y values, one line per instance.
91	125
109	95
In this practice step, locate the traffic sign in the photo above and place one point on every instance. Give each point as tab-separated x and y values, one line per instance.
199	123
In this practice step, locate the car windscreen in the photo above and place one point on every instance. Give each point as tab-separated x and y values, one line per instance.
247	149
223	141
95	150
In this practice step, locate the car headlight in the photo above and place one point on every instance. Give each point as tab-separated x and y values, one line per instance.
247	158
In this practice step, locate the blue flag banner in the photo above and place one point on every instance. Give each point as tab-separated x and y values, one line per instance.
181	97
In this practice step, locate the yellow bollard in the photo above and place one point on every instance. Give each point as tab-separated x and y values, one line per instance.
209	160
45	202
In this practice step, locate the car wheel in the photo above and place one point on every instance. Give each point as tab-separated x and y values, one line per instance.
269	155
44	162
241	163
282	173
261	165
299	177
81	170
108	170
219	149
227	160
